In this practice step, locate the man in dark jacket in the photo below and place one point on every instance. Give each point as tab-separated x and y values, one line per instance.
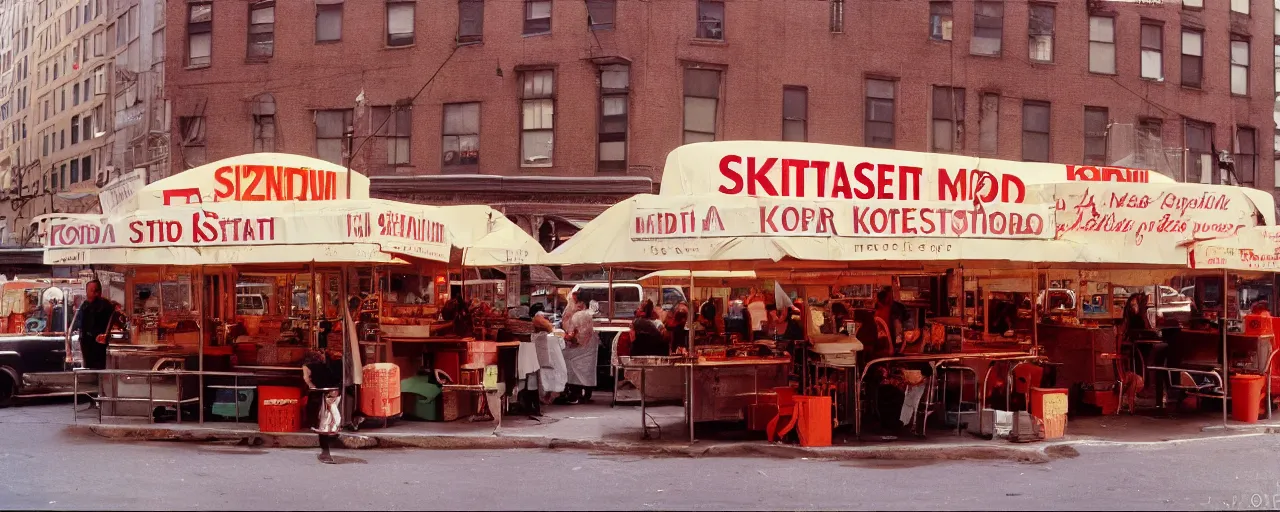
96	317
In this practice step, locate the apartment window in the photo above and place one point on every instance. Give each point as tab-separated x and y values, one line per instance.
1239	67
1095	135
1035	131
61	178
262	22
701	104
1040	32
328	21
1240	6
988	28
86	127
940	21
75	170
264	124
615	87
795	114
1193	4
400	22
396	129
1150	143
1192	58
1102	45
193	145
199	33
86	168
1246	159
1199	144
537	120
601	13
75	95
85	89
837	16
331	134
470	21
537	17
75	130
1152	51
879	122
711	19
44	144
461	140
948	119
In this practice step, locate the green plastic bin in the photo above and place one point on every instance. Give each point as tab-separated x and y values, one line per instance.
420	398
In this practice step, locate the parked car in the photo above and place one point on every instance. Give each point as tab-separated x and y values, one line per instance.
627	297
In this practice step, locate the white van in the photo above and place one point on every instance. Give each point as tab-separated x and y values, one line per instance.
627	297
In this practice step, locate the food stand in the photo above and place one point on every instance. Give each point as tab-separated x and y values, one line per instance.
227	275
919	218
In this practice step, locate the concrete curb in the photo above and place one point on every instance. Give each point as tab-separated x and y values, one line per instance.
1029	453
1020	453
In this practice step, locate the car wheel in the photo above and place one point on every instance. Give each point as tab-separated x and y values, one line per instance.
8	389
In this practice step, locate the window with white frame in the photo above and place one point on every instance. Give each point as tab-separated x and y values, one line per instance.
537	119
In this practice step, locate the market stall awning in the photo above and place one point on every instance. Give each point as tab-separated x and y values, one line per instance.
489	239
1075	224
254	177
1256	249
279	232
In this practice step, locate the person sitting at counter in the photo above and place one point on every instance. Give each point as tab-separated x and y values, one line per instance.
646	333
1003	316
678	325
890	315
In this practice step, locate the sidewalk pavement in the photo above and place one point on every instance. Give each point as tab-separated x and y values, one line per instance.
599	428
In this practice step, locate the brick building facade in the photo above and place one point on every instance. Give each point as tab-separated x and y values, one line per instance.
552	109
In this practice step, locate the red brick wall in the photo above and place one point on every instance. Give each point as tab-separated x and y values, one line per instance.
768	44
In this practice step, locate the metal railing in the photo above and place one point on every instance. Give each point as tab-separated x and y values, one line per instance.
151	399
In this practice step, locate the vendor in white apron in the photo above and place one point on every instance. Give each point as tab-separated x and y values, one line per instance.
582	348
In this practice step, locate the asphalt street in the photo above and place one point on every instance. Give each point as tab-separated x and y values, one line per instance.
45	468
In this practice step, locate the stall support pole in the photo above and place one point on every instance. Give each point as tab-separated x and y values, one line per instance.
311	299
1035	311
1226	365
200	364
611	296
348	337
693	363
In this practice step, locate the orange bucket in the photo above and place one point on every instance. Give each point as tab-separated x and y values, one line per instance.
813	420
1246	397
1050	406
